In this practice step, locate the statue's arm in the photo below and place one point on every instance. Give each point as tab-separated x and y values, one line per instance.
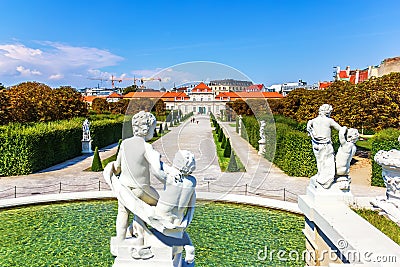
342	138
153	158
335	125
309	126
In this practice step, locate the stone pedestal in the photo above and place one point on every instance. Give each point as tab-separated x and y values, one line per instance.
87	146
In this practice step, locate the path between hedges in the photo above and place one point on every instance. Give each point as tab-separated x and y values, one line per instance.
261	178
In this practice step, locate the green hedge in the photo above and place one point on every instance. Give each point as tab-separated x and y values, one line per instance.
383	140
32	147
251	130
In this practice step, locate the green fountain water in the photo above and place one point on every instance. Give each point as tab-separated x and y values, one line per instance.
78	234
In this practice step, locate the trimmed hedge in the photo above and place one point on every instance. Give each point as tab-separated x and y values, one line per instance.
288	145
383	140
32	147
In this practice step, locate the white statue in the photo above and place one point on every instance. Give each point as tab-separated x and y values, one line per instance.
346	151
319	129
262	131
129	179
390	163
178	195
86	130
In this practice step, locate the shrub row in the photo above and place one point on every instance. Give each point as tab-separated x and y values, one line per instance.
32	147
287	144
383	140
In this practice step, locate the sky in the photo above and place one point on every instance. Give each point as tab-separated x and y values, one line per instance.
76	42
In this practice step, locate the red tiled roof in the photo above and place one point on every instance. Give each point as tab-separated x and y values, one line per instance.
173	95
201	87
363	75
226	95
114	95
246	95
90	98
272	95
255	87
144	95
323	85
353	79
343	74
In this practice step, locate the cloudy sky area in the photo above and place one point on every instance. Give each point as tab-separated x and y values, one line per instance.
68	42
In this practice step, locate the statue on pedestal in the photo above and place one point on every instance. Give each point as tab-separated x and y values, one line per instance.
86	139
168	215
262	141
390	163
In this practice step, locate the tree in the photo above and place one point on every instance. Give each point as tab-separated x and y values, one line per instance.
220	134
4	107
232	166
166	126
96	163
161	129
68	103
227	151
155	133
119	107
131	88
100	105
223	143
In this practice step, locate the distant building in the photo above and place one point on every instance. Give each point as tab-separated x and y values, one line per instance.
255	88
229	85
356	76
286	88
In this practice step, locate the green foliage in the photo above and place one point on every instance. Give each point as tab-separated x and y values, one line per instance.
232	167
27	148
220	134
37	102
96	163
383	224
100	105
161	129
131	88
155	133
371	105
251	130
227	151
237	125
223	142
383	140
166	127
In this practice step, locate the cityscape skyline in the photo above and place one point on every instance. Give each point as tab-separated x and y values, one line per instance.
67	42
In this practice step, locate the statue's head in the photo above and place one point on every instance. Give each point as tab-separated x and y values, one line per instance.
325	110
352	135
184	161
143	125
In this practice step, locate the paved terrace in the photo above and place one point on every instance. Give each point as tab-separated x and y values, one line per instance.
261	177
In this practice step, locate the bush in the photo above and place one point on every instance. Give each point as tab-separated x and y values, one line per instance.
96	163
32	147
383	140
223	142
227	151
232	167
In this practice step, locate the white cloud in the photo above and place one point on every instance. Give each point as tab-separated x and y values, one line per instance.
27	72
56	77
54	61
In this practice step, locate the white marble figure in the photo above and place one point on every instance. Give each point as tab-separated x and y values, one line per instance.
178	195
262	132
86	130
346	151
129	179
319	129
390	163
240	124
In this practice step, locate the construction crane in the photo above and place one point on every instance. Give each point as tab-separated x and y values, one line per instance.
113	79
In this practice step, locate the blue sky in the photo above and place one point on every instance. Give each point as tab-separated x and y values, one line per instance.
65	42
